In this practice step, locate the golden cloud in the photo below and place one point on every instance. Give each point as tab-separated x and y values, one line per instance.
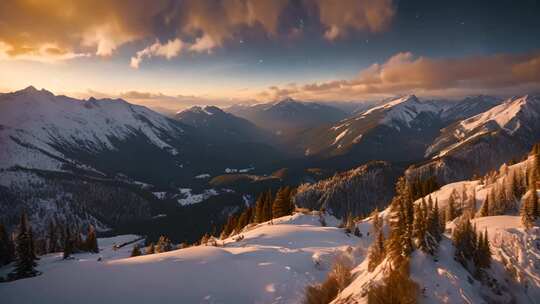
62	29
404	73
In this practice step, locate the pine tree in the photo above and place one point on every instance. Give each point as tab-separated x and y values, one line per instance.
281	204
259	209
268	200
420	226
68	243
451	211
136	251
91	240
52	238
465	240
163	245
376	251
472	203
399	243
151	249
483	252
6	247
529	209
229	227
434	223
25	261
485	208
243	220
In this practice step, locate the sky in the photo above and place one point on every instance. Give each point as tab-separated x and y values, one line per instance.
174	54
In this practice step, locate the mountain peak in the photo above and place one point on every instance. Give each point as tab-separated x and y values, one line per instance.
32	91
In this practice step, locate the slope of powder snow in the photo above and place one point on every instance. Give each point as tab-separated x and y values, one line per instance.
272	264
501	114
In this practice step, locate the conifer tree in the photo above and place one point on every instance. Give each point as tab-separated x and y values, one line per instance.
464	239
281	204
399	243
6	246
25	260
464	198
151	249
259	209
483	252
529	208
229	227
52	238
91	240
136	251
68	243
376	251
163	244
485	208
451	211
243	220
268	201
434	226
420	226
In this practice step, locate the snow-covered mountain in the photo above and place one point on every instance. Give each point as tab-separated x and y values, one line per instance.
98	161
218	125
40	130
398	130
484	141
470	106
288	115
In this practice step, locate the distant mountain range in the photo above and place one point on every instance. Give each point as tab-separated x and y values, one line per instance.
217	125
112	164
288	115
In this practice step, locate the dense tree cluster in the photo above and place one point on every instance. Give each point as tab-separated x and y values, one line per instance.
267	207
472	247
423	187
530	210
25	258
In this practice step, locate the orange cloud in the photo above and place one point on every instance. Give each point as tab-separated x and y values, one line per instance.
352	15
404	73
100	27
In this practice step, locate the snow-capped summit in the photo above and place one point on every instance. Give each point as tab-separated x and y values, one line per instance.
402	111
517	115
36	123
477	144
405	120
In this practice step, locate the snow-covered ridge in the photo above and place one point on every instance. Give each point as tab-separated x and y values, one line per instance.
505	115
509	116
403	110
33	121
273	263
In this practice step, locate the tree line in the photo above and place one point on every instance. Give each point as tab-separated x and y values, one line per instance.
20	246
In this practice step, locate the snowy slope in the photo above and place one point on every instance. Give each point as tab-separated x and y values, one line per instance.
33	122
514	114
404	119
515	257
272	264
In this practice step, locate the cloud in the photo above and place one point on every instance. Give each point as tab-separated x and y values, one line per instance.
352	15
203	44
168	50
84	26
405	73
101	27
